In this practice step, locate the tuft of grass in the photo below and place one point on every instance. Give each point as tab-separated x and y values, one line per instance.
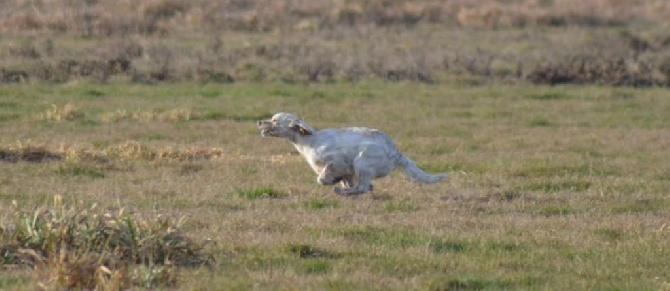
304	251
556	210
67	112
552	187
265	192
131	150
115	116
77	169
609	234
77	247
443	246
248	170
320	203
179	115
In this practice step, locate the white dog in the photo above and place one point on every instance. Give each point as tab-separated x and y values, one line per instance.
354	156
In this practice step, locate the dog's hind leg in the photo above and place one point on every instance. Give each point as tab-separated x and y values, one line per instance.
363	186
348	181
364	176
332	173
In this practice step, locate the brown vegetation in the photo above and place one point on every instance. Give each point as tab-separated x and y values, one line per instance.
607	57
103	18
129	150
327	41
74	246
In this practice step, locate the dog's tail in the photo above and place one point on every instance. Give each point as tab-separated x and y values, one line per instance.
416	174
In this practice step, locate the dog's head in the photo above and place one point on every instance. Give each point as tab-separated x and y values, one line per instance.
284	125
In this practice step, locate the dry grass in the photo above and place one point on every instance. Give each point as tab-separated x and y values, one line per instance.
67	112
551	187
105	18
623	43
128	150
74	246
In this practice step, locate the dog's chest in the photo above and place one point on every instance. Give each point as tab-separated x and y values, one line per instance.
313	157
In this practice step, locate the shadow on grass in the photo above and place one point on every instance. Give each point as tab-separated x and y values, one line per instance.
28	154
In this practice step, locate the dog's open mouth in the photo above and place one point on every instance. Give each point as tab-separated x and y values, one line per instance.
266	132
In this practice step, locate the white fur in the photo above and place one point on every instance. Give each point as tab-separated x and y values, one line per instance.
354	156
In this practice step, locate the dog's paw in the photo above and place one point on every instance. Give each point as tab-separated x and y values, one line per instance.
339	190
343	191
328	181
347	191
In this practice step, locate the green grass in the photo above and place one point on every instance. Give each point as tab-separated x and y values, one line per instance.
401	206
265	192
550	186
320	203
308	252
609	234
642	206
578	204
559	210
75	169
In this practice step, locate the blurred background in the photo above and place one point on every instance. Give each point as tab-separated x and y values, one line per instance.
613	42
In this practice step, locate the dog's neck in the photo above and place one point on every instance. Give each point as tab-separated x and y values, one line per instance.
301	142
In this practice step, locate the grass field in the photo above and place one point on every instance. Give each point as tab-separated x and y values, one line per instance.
130	157
550	187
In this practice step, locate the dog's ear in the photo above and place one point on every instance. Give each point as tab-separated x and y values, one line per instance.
300	127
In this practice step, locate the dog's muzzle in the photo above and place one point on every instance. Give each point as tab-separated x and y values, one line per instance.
266	130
